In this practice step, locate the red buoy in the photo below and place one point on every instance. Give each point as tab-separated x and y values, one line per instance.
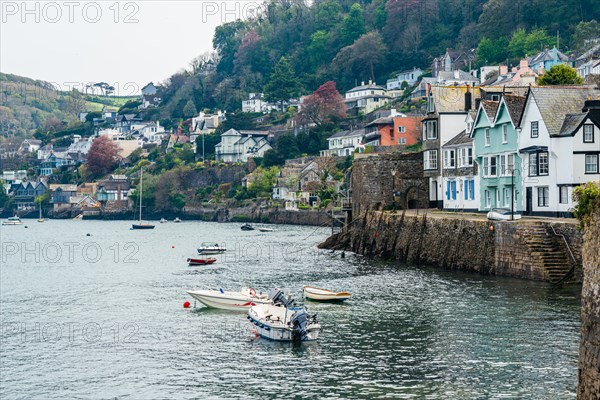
172	247
186	304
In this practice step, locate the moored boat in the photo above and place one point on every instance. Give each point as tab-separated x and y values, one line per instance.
163	221
266	229
141	224
315	293
232	301
201	261
13	221
177	220
282	321
209	248
247	227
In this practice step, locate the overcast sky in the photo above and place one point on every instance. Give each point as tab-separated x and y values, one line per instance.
107	41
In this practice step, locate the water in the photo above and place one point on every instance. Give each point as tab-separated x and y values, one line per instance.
101	316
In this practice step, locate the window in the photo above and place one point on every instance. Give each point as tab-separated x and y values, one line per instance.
401	129
535	129
543	164
588	133
449	159
506	164
563	194
543	194
430	159
431	130
469	189
466	157
591	163
490	168
505	133
498	197
451	190
402	140
487	136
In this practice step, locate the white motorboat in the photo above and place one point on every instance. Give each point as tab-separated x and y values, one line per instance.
210	248
266	229
163	221
177	220
233	301
282	321
13	221
315	293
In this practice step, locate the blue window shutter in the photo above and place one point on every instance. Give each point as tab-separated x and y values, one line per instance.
448	190
466	189
472	184
453	190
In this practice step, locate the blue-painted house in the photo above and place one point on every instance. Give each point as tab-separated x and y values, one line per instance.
548	58
496	142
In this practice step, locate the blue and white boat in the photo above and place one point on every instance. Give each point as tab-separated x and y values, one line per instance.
282	320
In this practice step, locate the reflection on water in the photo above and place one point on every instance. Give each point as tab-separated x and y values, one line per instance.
102	317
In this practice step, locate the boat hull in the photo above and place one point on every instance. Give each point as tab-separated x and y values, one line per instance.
275	323
11	223
201	261
211	251
231	301
142	226
319	294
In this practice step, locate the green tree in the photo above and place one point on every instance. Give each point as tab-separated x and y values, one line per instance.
522	43
3	195
560	74
353	25
584	31
190	109
491	51
283	83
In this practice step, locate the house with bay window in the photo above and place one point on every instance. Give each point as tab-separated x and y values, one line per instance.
496	142
459	173
559	146
447	112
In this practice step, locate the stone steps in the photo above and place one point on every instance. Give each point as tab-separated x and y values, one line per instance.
544	247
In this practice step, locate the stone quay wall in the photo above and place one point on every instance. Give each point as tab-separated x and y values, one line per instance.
495	248
589	350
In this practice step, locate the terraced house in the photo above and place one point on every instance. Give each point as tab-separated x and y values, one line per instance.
559	145
496	142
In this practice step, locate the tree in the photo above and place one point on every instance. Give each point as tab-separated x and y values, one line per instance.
362	58
353	25
102	156
584	32
560	74
523	43
323	106
190	109
283	84
490	51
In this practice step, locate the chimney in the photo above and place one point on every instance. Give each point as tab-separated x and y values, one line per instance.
523	64
540	69
362	83
393	112
555	54
370	82
514	70
503	70
468	101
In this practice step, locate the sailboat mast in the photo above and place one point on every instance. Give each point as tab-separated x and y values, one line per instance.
141	180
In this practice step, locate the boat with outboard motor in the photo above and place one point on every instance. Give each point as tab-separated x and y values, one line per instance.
282	320
13	221
247	227
232	301
209	248
193	262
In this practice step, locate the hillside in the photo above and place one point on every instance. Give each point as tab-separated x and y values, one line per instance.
27	104
352	41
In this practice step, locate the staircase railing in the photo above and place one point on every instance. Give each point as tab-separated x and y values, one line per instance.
571	271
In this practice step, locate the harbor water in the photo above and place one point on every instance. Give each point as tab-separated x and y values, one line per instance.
101	316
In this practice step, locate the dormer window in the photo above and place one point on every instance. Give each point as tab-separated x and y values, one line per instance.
588	133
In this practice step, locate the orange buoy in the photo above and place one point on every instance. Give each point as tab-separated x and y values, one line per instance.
186	304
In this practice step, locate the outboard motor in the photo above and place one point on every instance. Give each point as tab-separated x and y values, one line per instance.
278	297
300	325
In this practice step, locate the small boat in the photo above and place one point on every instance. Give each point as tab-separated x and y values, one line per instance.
266	229
319	294
177	220
247	227
141	224
209	248
163	221
232	301
13	221
282	321
200	261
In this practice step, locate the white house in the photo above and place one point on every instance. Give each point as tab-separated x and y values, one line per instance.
152	131
559	146
256	104
149	90
30	146
410	77
366	98
236	146
343	143
207	123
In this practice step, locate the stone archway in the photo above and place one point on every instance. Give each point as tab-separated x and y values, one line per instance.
415	196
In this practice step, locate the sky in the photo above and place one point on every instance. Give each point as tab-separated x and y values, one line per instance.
124	43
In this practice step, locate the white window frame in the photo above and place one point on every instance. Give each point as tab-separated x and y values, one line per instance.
535	129
402	140
506	197
488	165
544	199
504	133
430	163
487	137
589	139
488	198
401	129
450	158
563	198
593	162
543	168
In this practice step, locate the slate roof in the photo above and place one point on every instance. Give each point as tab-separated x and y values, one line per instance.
368	86
357	132
460	139
515	106
490	107
382	121
64	187
571	123
547	55
555	102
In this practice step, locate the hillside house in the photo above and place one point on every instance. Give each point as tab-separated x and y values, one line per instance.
366	98
239	146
